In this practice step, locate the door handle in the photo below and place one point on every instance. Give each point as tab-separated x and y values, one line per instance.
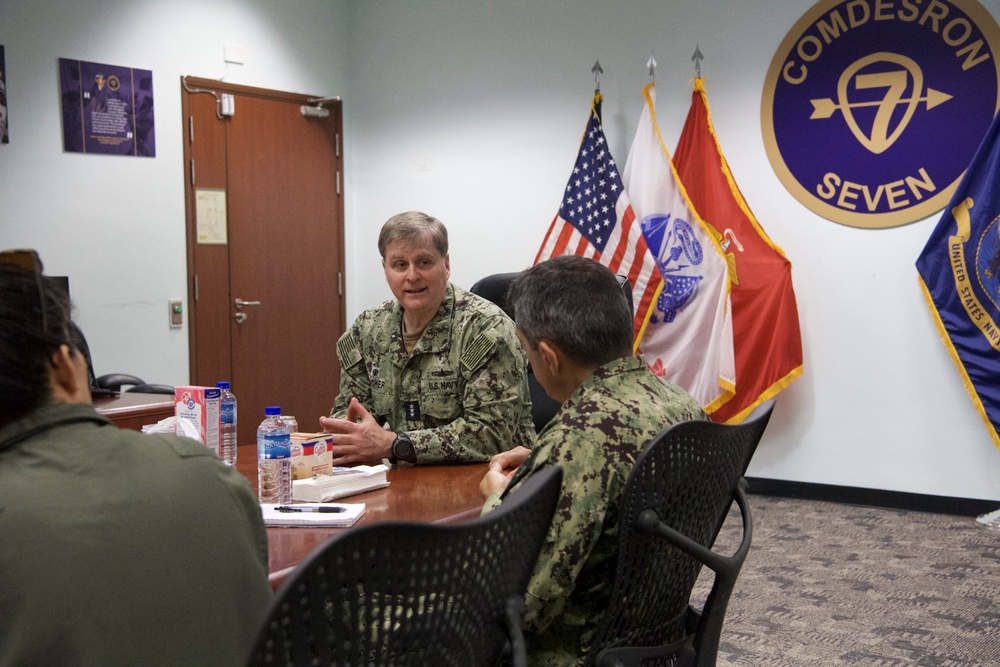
240	303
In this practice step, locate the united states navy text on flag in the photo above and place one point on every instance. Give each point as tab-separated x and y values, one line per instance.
595	219
959	272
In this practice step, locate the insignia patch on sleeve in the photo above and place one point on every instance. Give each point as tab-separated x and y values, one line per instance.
478	351
348	350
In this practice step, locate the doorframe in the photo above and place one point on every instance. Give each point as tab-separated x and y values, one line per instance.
191	85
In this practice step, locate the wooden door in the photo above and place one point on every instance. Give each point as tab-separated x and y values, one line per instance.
280	172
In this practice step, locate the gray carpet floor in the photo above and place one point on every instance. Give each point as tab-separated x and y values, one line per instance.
832	584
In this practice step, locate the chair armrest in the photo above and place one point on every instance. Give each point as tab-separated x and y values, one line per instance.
649	521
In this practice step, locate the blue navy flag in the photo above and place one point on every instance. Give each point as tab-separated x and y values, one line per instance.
960	275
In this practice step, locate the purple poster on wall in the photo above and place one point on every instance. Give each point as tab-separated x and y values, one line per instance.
3	100
107	109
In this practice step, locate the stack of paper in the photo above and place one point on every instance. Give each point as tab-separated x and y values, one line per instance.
342	482
310	514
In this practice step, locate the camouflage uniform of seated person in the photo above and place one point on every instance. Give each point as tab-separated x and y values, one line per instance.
435	374
577	330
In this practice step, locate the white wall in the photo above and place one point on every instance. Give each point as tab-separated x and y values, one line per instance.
473	111
115	225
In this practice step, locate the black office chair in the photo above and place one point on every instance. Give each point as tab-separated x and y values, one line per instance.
146	388
402	594
494	288
674	504
116	381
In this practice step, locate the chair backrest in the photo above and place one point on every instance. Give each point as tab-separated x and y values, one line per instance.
152	389
675	502
118	380
494	288
401	593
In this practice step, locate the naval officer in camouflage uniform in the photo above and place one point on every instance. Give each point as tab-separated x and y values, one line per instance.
436	374
577	330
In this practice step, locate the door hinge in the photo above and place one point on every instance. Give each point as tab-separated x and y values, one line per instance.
337	144
192	171
340	284
190	129
338	182
196	287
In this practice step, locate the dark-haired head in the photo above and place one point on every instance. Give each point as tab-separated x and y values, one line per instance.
28	340
578	305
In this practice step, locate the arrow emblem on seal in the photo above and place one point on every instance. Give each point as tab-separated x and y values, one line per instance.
826	107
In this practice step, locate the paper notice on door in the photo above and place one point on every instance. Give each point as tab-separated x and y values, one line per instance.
210	216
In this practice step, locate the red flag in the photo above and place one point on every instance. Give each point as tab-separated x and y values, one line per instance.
766	337
595	220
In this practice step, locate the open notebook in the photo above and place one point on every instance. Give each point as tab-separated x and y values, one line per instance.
344	514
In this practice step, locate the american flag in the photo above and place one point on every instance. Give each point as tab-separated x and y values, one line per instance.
595	220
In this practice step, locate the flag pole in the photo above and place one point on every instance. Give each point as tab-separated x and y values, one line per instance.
651	64
596	69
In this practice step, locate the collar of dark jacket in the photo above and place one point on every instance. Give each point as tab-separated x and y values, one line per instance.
47	417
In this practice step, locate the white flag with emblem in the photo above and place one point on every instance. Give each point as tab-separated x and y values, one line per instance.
688	335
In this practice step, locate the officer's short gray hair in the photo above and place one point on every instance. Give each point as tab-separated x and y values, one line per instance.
578	305
413	227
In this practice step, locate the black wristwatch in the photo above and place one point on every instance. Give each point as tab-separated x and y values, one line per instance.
402	449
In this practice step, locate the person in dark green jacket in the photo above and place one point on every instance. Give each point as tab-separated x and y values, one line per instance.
116	548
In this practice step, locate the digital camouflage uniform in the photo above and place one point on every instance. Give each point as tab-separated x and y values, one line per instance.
595	437
461	395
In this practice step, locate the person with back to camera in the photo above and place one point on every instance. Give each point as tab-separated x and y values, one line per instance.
435	374
577	330
117	548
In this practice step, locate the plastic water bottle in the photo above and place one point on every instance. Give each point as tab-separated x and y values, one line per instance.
274	463
227	424
291	422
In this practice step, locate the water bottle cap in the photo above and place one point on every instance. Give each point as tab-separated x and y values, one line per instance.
222	385
272	410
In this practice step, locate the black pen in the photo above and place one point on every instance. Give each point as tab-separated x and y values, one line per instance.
321	508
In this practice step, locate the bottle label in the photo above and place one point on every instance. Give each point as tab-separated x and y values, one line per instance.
277	446
227	413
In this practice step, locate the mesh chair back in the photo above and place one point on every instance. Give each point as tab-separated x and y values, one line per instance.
689	476
494	288
400	593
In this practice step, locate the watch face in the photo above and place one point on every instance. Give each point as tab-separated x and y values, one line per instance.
402	448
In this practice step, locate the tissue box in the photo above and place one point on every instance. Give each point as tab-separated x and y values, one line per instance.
311	455
198	407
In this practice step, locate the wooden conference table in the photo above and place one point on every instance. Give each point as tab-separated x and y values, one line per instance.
134	410
427	494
